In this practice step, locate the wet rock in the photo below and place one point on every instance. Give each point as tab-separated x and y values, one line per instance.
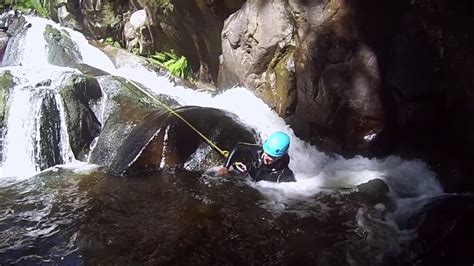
175	145
375	191
257	52
444	232
48	151
3	43
6	83
125	108
17	27
80	94
62	50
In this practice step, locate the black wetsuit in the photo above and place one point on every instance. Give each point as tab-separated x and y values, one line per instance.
251	156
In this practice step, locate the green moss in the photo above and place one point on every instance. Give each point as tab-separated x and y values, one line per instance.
177	65
280	82
39	6
164	5
111	41
6	83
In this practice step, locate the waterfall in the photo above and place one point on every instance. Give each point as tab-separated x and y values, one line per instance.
30	144
314	170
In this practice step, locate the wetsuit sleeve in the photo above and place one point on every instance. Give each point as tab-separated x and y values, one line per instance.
241	147
286	175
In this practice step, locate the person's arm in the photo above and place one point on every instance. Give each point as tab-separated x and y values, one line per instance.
241	147
286	175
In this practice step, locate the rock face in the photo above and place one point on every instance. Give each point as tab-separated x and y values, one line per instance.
257	52
307	55
367	75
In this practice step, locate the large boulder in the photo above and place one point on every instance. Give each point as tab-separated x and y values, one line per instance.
140	134
62	50
80	94
125	107
164	141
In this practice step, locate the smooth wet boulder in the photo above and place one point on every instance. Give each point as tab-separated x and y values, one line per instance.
125	107
140	135
375	191
174	144
62	50
80	94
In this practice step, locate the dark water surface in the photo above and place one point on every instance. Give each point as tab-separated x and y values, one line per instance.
185	218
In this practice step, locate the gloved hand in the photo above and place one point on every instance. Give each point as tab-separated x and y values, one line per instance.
240	167
223	171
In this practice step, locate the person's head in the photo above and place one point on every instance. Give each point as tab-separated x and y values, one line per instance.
275	147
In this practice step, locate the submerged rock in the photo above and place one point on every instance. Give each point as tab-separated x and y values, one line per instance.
375	191
445	235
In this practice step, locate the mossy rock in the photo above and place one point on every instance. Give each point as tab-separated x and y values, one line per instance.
78	93
62	50
279	90
6	83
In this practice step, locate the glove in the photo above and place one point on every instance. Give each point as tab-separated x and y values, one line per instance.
240	167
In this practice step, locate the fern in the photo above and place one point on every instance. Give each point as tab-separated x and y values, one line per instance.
176	65
39	6
111	41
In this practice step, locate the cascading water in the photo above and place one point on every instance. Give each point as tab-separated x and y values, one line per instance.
368	229
22	151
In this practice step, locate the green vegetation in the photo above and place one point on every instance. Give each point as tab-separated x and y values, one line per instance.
111	41
164	5
177	65
39	6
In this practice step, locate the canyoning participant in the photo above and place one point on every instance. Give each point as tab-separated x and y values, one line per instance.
262	162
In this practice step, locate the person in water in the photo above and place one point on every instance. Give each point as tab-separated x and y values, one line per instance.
262	162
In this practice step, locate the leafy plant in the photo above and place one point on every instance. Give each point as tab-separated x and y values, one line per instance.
177	65
111	41
165	5
39	6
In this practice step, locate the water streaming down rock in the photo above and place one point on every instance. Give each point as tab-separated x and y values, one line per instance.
36	134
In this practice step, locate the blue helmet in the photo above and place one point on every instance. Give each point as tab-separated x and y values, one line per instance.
277	144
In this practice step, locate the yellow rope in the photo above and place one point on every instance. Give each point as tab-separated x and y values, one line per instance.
222	152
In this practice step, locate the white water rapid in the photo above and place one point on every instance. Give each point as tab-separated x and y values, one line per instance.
314	170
